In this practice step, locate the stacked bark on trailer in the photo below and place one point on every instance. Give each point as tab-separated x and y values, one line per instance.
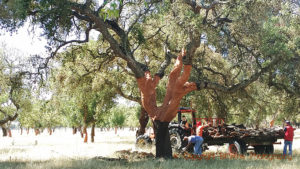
240	131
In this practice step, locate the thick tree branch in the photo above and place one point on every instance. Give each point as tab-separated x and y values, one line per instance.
241	85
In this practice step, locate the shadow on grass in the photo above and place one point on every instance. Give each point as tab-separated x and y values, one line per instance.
155	164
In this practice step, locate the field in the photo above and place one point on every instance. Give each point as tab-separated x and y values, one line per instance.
64	150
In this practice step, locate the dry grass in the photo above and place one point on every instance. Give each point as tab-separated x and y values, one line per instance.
64	150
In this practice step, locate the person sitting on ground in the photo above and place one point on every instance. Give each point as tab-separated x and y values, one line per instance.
288	138
197	140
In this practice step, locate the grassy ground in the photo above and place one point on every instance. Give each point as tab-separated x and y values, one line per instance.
72	153
248	163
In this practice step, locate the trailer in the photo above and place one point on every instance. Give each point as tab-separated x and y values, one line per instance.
217	132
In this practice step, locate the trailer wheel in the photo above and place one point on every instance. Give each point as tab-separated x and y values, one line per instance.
269	149
234	148
175	139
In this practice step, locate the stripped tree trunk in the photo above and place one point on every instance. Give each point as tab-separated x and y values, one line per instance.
74	130
116	130
9	133
177	87
86	135
50	131
37	131
144	118
93	132
81	131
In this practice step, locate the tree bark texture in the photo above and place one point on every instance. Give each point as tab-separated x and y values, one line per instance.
93	132
177	87
50	131
4	131
85	134
144	118
74	130
9	133
162	140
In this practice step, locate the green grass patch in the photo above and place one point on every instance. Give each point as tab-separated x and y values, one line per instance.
247	163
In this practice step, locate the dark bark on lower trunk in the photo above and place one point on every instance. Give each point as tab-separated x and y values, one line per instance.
162	139
144	118
4	131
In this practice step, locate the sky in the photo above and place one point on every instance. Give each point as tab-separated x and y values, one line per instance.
25	41
30	43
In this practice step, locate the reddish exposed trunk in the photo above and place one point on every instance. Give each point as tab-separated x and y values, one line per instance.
116	130
9	133
177	87
93	132
50	131
144	118
86	135
81	131
37	131
74	130
85	109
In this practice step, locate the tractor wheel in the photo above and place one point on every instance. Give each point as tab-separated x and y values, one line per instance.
234	148
175	139
259	149
269	149
143	141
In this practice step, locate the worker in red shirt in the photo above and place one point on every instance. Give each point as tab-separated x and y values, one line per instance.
288	137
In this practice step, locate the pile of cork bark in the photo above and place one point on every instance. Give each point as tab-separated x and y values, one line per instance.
240	131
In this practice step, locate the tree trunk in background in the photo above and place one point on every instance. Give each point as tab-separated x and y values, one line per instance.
9	133
116	130
162	139
50	131
74	130
4	131
86	134
21	130
27	131
81	132
93	132
37	131
144	118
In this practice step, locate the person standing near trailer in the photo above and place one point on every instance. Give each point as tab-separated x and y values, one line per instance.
288	138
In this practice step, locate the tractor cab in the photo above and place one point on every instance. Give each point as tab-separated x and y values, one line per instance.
188	114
